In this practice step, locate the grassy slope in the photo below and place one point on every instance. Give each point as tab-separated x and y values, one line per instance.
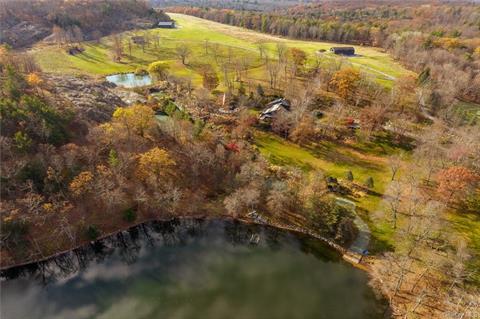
335	160
193	31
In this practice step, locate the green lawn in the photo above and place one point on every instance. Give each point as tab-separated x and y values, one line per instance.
226	40
335	160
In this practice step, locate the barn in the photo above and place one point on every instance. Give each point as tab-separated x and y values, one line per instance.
343	50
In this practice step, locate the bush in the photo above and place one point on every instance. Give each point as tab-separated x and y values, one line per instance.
13	233
92	232
350	176
158	69
141	71
369	182
129	215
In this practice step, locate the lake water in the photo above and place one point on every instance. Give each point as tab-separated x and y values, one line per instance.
193	269
130	80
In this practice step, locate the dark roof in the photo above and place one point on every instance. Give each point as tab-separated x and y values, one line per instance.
348	50
342	48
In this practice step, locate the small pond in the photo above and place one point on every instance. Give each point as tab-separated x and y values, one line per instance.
192	269
130	80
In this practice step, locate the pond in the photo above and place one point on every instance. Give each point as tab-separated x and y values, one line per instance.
130	80
192	269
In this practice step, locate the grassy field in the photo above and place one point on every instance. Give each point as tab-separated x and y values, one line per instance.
192	31
336	160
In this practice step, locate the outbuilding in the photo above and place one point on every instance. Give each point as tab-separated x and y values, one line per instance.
166	24
343	50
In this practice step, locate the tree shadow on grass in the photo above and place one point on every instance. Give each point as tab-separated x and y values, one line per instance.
330	154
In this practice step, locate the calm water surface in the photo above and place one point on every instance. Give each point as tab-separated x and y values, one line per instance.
192	269
130	80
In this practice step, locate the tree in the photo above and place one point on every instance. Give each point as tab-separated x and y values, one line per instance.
369	182
299	57
304	130
210	78
155	163
394	162
273	68
22	142
346	82
455	182
58	34
136	119
117	48
183	52
279	199
158	70
261	49
242	199
350	176
82	183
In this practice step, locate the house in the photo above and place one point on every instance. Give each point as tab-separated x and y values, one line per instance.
166	24
274	107
343	50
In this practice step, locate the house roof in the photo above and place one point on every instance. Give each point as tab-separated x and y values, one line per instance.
274	107
342	48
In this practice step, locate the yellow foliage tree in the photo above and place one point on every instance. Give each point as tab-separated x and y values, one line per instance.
34	80
137	118
82	183
154	163
345	82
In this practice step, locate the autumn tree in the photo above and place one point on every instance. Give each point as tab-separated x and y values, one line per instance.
210	78
136	119
82	184
346	81
154	164
455	182
299	57
158	70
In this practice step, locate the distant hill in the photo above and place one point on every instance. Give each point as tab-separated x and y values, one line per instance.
25	22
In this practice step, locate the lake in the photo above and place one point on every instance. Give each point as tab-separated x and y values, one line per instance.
193	269
130	80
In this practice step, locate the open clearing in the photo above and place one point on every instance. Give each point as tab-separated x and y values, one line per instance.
223	41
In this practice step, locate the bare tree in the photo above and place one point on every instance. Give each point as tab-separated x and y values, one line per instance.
183	52
117	47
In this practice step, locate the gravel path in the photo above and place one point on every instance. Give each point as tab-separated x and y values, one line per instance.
360	244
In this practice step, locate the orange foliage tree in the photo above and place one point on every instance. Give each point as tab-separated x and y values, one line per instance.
455	182
345	82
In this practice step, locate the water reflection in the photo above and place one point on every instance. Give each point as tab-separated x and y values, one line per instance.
192	269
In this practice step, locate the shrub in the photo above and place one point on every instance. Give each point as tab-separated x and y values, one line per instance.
13	233
129	215
350	176
141	71
369	182
92	232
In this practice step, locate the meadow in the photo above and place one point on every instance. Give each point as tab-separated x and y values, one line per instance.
97	59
